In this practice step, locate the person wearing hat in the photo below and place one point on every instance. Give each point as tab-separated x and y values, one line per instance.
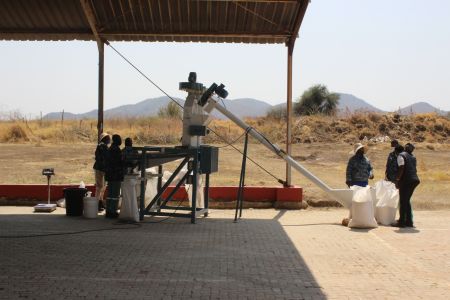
100	168
407	180
391	163
359	169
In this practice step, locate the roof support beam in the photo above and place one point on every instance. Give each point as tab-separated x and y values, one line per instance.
88	36
90	16
298	22
101	76
267	1
199	34
289	112
290	47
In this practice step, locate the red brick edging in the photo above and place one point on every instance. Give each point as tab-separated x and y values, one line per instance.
38	192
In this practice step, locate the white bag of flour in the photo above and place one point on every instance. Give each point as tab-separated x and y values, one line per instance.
362	210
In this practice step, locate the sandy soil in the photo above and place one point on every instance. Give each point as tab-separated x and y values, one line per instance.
22	163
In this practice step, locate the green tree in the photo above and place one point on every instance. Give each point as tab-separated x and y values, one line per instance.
171	110
317	100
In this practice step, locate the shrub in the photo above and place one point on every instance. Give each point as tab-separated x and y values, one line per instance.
317	100
171	110
15	133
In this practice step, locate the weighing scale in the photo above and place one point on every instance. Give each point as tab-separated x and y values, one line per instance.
46	207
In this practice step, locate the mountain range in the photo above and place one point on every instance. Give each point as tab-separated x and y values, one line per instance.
243	107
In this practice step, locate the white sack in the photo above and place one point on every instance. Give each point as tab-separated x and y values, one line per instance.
167	174
362	212
129	209
151	188
388	197
200	203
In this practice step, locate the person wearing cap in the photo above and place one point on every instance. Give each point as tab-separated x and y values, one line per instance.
359	169
391	164
114	176
407	180
100	168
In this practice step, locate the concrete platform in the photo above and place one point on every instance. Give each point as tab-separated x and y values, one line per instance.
269	254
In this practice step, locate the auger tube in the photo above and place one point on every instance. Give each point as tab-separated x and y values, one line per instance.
343	196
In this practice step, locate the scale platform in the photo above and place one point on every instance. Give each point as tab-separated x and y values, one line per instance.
43	207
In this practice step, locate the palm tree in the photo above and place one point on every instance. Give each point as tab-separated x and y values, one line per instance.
317	100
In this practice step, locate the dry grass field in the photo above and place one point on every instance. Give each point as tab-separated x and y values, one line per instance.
22	163
430	128
322	144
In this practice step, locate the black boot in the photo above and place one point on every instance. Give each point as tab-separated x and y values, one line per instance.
398	224
111	208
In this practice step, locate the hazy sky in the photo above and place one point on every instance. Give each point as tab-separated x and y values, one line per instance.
388	52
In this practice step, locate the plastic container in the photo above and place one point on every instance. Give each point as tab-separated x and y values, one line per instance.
90	207
74	201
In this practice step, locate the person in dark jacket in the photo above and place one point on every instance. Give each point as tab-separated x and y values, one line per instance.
114	176
100	168
391	163
407	180
359	169
127	153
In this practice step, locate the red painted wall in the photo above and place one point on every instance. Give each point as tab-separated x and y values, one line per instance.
219	193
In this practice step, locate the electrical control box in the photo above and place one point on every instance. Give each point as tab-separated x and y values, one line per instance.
209	159
198	130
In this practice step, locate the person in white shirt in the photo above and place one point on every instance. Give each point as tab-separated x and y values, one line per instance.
407	181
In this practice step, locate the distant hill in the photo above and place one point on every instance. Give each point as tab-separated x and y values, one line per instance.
148	107
243	107
350	103
421	108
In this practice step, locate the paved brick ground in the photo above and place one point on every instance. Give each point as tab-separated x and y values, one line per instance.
268	255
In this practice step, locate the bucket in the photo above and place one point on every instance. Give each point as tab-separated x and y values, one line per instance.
90	207
74	201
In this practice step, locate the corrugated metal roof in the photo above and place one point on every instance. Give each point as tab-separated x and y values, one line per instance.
216	21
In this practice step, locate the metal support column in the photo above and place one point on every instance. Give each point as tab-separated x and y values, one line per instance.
194	187
159	185
290	48
143	185
206	194
101	61
240	196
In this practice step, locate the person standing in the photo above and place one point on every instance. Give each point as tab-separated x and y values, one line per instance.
114	176
391	163
128	152
359	169
407	180
100	168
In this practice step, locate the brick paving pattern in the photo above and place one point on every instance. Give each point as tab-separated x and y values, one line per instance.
268	255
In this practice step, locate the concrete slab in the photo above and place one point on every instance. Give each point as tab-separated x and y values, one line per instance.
269	254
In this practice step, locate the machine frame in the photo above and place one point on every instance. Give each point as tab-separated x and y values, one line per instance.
192	157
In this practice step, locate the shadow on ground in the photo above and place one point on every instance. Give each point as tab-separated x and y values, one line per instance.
174	259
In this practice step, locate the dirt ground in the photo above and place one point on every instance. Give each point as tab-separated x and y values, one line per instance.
22	163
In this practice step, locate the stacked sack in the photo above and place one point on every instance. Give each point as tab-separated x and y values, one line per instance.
387	202
373	206
362	213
